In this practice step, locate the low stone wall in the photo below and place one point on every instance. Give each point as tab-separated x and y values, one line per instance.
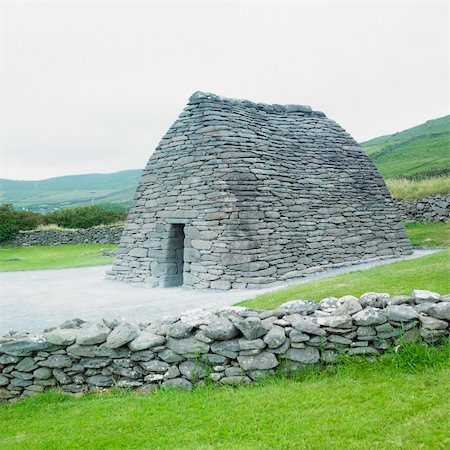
94	235
231	346
435	208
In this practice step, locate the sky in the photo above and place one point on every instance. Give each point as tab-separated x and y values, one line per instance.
93	86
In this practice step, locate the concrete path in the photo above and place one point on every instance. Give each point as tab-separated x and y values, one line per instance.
33	300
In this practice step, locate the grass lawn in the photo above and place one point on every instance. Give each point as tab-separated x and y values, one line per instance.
54	257
429	272
435	234
396	402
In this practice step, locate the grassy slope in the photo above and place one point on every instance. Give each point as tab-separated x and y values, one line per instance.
423	148
53	257
70	191
399	401
429	272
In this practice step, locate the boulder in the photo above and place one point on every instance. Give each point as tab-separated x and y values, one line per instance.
192	370
297	307
430	323
335	321
177	383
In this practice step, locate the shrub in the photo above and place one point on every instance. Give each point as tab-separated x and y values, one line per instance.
84	217
11	222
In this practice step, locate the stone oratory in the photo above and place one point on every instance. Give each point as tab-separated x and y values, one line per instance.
242	195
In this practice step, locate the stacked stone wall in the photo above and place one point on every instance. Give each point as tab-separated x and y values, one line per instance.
434	208
266	193
94	235
230	346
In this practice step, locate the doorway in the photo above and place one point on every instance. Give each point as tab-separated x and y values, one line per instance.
175	251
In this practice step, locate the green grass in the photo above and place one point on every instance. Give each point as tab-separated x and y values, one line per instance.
428	272
402	188
423	149
436	234
54	257
396	402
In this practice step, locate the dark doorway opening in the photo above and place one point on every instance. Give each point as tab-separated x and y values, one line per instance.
175	247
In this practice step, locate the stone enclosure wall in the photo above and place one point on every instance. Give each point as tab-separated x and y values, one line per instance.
435	208
249	194
94	235
229	346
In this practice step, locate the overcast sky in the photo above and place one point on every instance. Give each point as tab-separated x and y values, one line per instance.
93	86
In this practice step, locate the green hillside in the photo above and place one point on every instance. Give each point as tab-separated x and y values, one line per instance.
418	152
70	191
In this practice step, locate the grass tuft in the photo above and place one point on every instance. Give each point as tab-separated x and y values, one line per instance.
402	188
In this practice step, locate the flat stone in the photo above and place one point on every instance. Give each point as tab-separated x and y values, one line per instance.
56	362
43	373
369	316
430	323
374	299
197	317
421	296
25	347
220	328
100	381
250	327
61	336
177	383
121	335
263	361
92	333
235	380
192	370
254	344
348	305
154	366
335	321
308	326
145	340
27	364
440	311
187	346
307	355
275	337
401	313
179	330
297	307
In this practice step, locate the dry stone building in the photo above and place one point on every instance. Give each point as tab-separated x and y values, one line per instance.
241	194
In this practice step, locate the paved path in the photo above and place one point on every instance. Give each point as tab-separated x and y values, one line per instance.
33	300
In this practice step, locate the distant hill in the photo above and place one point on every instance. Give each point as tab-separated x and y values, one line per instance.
421	151
418	152
69	191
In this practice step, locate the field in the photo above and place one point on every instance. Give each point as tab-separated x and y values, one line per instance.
434	235
396	402
54	257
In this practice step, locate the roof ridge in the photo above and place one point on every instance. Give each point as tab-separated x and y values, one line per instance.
200	96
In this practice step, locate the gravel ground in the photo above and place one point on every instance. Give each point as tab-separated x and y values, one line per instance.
33	300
